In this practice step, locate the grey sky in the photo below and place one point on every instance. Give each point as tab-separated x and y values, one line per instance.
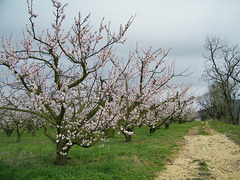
178	24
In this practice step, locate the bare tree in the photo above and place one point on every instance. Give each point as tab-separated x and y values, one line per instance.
221	71
212	103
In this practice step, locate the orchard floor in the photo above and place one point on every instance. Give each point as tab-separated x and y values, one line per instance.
208	155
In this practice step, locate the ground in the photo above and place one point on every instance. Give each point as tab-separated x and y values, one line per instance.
205	155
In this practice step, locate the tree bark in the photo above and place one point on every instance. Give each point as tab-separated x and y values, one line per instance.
9	132
19	131
238	115
61	159
18	136
61	155
167	126
152	130
128	137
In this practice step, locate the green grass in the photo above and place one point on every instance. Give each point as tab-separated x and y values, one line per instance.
142	158
232	131
202	131
202	168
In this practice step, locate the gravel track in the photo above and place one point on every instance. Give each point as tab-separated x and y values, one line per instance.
220	155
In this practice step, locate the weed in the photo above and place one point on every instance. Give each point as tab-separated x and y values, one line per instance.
202	131
204	174
203	168
202	164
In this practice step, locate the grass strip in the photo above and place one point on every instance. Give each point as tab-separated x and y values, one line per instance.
142	158
232	131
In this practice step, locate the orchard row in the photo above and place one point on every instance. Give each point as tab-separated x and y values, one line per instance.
73	80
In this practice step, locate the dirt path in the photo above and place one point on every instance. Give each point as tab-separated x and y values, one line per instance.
211	156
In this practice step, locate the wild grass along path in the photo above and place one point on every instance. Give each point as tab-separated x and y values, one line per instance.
205	155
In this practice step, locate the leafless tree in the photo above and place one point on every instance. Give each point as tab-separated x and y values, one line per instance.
212	103
222	71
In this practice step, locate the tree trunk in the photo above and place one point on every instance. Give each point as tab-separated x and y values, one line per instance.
152	130
18	136
238	116
33	133
167	126
233	119
61	159
9	132
19	131
128	137
61	155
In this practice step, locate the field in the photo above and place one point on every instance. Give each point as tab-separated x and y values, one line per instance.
142	158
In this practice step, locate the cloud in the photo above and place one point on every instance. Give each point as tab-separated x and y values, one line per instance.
180	25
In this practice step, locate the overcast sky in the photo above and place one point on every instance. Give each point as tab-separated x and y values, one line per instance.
178	24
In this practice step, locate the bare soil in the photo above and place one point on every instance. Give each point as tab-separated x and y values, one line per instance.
204	157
